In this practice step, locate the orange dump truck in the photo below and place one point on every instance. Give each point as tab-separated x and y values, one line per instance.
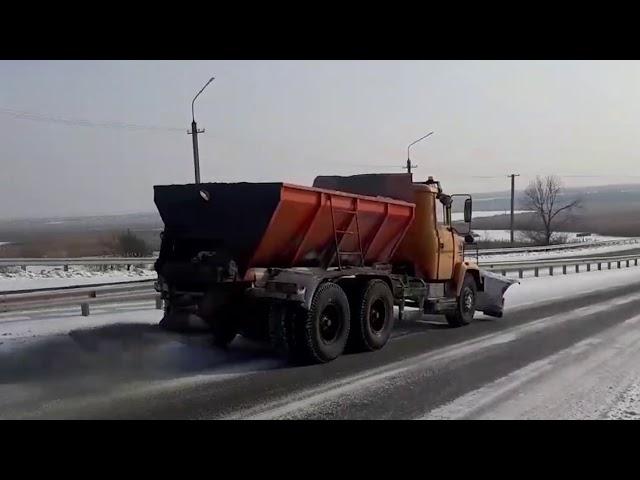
316	270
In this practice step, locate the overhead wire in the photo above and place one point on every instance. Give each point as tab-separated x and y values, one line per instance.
22	115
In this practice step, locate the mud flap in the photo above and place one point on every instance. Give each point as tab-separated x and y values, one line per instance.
490	300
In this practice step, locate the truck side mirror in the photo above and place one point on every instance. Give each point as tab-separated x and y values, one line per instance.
467	210
469	239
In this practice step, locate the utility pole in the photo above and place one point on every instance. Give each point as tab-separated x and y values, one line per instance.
196	156
409	164
194	131
513	183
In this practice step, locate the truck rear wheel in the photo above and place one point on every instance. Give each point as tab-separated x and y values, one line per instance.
372	317
223	330
282	329
466	304
215	309
323	333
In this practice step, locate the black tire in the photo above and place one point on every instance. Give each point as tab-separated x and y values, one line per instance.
372	317
223	326
466	304
216	311
224	331
282	329
322	334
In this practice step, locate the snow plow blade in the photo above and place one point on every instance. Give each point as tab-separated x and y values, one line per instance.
491	299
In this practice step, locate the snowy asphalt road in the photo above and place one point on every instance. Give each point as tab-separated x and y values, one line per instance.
572	357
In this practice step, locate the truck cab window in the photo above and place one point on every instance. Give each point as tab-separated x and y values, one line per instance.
440	217
443	210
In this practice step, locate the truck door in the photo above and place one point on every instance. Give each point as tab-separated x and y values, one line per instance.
445	244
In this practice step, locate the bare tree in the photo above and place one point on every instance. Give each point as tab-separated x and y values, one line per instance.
541	196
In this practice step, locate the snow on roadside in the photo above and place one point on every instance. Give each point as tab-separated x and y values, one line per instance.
48	277
538	290
19	327
628	405
591	379
505	235
579	250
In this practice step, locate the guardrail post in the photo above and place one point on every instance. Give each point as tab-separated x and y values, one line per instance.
636	262
577	268
564	269
84	308
504	273
158	302
551	271
627	263
599	266
609	265
618	263
520	274
588	267
535	271
65	268
24	267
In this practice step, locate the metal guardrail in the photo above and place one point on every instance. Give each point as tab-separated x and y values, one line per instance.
140	290
77	287
82	296
537	265
65	262
564	246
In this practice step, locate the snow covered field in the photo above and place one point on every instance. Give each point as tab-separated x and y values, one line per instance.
579	251
455	216
505	235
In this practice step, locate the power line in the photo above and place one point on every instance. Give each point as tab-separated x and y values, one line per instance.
556	174
82	122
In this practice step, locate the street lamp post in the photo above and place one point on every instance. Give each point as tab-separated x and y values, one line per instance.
409	165
194	131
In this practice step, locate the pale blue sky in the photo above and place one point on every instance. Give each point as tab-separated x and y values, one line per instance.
293	120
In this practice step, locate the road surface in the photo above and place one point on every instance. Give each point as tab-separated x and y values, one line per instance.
573	357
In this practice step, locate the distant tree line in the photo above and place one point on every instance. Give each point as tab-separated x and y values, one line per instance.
129	245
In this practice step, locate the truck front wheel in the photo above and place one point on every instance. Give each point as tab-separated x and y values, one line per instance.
325	330
466	304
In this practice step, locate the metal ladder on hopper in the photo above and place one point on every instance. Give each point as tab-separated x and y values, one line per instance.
343	253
